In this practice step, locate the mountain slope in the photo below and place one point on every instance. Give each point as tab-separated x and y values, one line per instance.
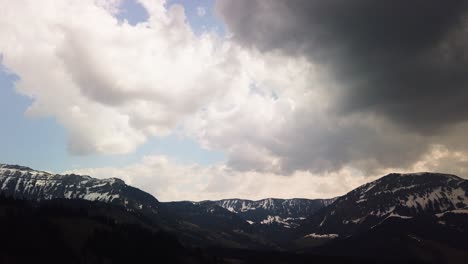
419	239
396	195
207	224
26	183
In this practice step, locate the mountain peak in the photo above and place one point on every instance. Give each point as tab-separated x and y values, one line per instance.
16	167
423	174
394	195
407	180
13	166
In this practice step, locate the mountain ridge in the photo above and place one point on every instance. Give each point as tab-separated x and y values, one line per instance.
394	195
23	182
284	212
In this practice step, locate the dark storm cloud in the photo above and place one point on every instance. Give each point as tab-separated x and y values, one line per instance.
406	60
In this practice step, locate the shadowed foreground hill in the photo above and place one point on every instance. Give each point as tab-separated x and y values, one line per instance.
77	231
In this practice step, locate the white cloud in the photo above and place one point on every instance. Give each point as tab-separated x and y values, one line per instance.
112	85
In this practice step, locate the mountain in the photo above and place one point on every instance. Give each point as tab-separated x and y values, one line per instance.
413	217
238	223
287	213
195	224
403	196
25	183
279	207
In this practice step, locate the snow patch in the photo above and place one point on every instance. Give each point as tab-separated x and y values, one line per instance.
323	221
361	200
273	219
328	236
457	211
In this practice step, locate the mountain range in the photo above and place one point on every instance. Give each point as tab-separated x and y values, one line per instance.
285	212
414	216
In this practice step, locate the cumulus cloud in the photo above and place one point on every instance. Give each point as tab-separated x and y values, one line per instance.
111	84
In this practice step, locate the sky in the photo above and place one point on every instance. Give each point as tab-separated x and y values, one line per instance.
195	100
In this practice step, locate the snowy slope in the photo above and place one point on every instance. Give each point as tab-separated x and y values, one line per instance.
402	196
25	183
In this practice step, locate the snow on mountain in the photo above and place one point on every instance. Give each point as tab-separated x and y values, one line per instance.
25	183
285	207
395	195
456	211
313	235
284	212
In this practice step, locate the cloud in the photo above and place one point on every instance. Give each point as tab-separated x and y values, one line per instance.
384	83
442	159
286	121
405	60
111	84
301	88
169	180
